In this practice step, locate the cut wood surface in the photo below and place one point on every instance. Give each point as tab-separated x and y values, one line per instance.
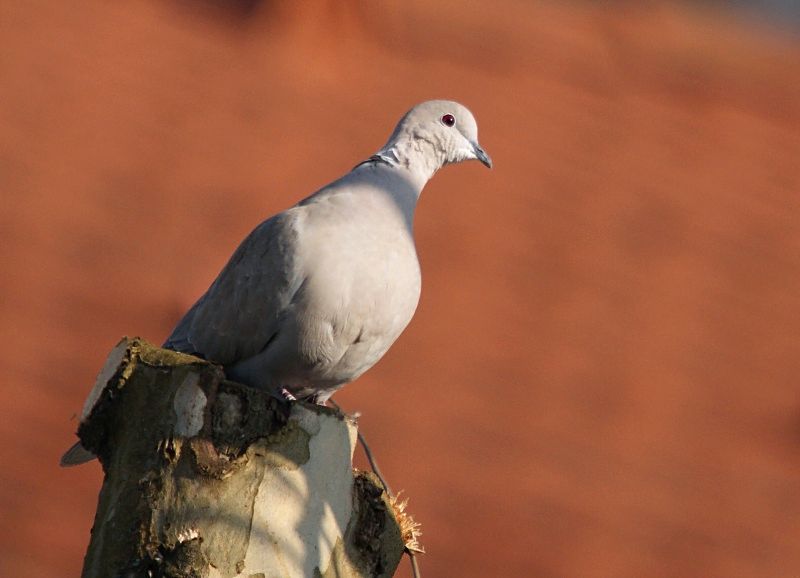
205	477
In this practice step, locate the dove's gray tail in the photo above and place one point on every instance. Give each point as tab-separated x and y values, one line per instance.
75	456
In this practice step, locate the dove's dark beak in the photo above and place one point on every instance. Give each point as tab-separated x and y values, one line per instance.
481	155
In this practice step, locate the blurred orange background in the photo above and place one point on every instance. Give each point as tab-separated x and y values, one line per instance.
601	379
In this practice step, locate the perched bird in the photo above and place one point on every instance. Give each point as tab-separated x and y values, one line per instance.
317	294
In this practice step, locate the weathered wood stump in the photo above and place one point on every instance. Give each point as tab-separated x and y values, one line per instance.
209	478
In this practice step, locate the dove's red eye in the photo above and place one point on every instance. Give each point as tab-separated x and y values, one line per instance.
449	120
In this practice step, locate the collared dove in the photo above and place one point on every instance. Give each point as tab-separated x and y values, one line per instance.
317	294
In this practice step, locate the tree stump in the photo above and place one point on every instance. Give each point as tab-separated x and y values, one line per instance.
209	478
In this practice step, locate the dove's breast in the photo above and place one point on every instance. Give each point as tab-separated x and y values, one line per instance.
361	285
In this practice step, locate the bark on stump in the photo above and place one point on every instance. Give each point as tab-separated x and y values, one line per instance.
209	478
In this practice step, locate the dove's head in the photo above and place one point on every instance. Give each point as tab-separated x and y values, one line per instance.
433	134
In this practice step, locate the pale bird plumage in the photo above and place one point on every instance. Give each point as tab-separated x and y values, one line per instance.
317	294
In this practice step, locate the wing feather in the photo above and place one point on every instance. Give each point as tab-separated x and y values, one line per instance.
242	310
